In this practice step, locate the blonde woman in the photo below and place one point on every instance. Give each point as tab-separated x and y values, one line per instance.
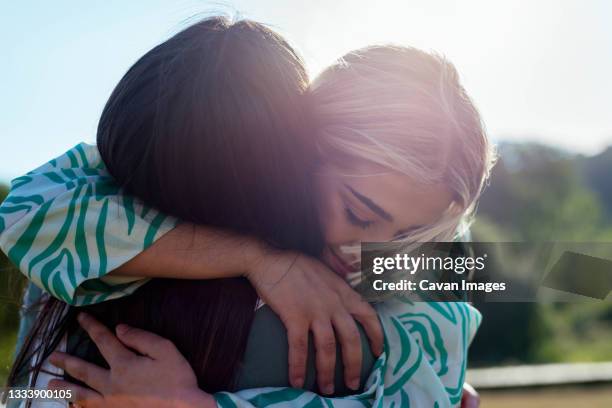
404	157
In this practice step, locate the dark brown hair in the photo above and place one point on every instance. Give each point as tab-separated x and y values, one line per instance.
212	126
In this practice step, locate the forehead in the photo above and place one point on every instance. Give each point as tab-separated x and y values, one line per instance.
408	201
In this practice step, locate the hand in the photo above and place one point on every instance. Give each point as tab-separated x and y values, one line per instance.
470	398
308	296
159	377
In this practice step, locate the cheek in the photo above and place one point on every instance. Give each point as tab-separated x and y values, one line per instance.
336	232
336	227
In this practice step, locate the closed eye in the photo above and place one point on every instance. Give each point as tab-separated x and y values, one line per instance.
355	220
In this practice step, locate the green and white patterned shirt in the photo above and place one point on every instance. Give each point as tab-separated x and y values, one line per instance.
46	226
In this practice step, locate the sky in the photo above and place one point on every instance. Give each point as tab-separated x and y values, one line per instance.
538	70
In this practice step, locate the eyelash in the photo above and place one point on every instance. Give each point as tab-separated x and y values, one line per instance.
355	220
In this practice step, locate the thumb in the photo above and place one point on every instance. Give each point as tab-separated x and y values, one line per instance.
144	342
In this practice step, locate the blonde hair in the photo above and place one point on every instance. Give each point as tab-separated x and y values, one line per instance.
406	110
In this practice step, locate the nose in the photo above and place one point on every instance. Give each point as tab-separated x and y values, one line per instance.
350	250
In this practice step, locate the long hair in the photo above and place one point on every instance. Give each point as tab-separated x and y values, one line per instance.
423	124
211	126
407	111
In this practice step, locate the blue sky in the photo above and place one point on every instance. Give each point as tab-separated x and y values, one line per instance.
538	70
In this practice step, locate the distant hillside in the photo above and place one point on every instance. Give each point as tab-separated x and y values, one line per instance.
3	190
594	171
597	173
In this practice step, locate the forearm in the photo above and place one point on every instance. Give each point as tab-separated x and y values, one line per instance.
192	251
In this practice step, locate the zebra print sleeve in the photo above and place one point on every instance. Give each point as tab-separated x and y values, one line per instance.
66	225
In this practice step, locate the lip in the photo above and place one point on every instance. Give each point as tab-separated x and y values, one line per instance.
338	264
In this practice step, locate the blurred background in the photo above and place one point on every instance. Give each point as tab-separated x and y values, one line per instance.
537	70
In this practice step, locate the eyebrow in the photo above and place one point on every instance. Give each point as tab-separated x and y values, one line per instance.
370	204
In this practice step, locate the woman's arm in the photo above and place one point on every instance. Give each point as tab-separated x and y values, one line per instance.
198	252
72	232
66	225
306	295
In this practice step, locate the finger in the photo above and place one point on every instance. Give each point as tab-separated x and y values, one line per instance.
297	336
78	395
110	347
350	342
367	317
146	343
92	375
325	346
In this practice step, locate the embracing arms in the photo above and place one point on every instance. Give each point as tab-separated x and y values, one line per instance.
306	295
71	231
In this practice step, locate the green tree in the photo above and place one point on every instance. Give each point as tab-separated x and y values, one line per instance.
11	288
538	193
